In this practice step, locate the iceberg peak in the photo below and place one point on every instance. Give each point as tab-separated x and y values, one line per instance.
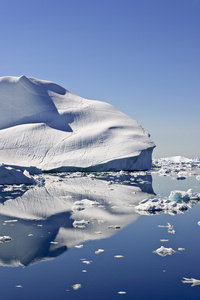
44	125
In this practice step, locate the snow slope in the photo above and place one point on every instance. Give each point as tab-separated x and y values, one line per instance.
44	125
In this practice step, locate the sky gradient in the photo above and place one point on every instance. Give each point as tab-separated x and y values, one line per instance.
141	56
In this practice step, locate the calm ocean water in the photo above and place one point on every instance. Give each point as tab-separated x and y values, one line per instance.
42	262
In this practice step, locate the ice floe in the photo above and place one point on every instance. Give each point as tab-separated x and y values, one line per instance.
162	251
76	286
5	239
99	251
177	202
193	281
177	167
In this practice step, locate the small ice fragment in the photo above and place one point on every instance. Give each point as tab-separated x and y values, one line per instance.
84	271
181	249
39	225
118	256
164	271
98	232
18	286
99	251
163	240
30	234
11	221
171	231
198	223
80	224
55	243
170	227
162	251
87	262
114	227
76	286
79	246
5	239
191	280
121	292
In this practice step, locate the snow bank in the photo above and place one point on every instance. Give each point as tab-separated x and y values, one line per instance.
44	125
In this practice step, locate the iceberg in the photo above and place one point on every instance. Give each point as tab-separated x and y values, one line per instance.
44	125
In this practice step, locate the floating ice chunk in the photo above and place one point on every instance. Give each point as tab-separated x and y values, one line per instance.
76	286
5	239
79	246
87	262
18	286
83	204
184	196
181	249
171	231
163	240
118	256
84	271
198	223
99	251
159	205
121	292
11	221
162	251
179	196
198	177
80	224
114	227
191	280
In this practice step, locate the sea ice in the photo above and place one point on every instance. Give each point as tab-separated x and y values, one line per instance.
44	125
76	286
99	251
5	239
191	280
162	251
80	224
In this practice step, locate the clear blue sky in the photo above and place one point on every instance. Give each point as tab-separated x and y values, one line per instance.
142	56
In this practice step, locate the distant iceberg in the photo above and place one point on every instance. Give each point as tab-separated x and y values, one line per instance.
44	125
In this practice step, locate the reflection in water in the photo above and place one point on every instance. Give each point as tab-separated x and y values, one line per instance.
45	221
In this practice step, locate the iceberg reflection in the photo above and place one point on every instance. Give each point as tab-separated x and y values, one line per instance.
69	209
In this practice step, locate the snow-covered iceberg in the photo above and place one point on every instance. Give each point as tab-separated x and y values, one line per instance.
44	125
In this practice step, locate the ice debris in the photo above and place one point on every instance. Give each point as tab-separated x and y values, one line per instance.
178	201
121	292
177	167
83	204
99	251
162	251
191	280
5	239
76	286
80	224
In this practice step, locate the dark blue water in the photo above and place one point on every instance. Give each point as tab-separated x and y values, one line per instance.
141	273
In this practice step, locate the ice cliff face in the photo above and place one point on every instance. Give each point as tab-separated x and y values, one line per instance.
44	125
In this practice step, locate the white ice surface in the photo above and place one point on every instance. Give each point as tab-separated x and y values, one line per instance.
44	125
9	175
